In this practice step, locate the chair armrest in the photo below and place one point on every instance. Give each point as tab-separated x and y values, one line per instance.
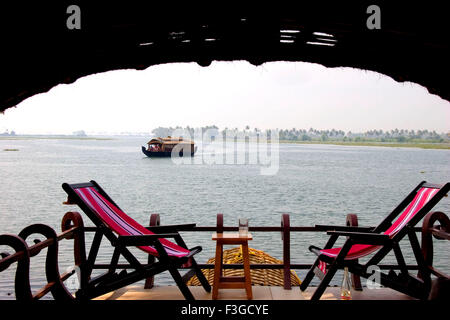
363	237
322	227
143	240
171	228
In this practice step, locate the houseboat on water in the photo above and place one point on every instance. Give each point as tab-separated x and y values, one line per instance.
163	147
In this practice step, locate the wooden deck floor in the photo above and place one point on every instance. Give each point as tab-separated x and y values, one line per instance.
259	293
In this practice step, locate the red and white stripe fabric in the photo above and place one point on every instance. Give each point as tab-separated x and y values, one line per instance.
323	266
122	224
360	250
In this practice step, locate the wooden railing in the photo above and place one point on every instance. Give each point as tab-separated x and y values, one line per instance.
440	232
73	229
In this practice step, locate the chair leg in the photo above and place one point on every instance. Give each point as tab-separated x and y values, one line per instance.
200	276
338	262
309	276
324	283
180	283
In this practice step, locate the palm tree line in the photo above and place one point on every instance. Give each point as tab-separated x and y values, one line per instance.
311	134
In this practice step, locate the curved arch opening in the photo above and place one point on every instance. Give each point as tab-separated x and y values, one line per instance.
281	95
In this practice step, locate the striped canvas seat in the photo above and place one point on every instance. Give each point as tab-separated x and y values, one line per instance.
122	224
361	250
379	242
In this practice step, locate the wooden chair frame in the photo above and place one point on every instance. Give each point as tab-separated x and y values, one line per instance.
404	282
112	280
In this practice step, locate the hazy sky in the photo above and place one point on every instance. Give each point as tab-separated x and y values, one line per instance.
230	94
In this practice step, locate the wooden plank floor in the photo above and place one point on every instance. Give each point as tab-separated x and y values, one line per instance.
259	293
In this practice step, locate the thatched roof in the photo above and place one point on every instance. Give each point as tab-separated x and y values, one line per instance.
155	141
170	140
40	52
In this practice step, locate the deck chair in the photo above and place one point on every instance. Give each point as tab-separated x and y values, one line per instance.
124	232
383	239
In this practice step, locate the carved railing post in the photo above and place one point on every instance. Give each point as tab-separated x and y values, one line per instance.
74	220
154	221
427	232
22	278
219	227
352	221
54	282
286	237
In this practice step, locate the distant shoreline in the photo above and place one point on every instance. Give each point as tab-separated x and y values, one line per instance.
437	145
50	137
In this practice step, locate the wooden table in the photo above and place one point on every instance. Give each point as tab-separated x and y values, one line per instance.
221	281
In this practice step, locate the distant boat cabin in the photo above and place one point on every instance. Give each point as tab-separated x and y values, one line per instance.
163	147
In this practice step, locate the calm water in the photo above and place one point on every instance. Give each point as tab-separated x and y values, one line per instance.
315	184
